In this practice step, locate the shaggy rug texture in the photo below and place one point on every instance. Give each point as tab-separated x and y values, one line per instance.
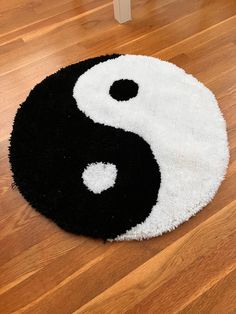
119	147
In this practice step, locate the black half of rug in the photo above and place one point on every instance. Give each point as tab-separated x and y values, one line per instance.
51	144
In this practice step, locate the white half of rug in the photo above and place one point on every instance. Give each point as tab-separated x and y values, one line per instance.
180	119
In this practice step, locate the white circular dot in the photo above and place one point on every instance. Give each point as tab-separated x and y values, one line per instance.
99	176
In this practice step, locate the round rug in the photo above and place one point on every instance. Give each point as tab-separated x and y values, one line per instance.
119	147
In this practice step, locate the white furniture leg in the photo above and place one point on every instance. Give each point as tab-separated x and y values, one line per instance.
122	10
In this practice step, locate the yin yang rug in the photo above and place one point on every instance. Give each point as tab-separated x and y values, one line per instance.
119	147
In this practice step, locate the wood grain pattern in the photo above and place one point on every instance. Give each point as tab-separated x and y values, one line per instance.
44	270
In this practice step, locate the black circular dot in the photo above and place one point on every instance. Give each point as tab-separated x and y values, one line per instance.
123	89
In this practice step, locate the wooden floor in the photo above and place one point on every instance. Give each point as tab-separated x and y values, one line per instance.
45	270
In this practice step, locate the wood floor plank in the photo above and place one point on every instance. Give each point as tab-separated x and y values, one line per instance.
177	273
44	270
219	299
